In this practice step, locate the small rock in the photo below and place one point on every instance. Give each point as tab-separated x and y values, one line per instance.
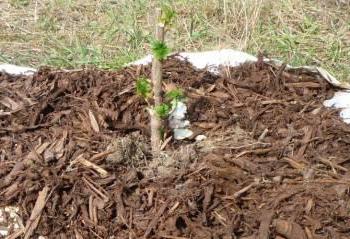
200	137
177	121
180	134
277	179
179	111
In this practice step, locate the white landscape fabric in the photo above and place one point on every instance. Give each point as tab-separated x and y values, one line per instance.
16	70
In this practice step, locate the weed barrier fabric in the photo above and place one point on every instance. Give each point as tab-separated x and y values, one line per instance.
75	159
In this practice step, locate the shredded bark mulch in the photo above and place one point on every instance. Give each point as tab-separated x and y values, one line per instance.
75	156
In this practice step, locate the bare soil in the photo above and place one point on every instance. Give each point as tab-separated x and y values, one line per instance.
75	156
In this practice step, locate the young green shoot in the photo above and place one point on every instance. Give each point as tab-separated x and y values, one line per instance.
160	50
143	88
168	15
175	95
162	110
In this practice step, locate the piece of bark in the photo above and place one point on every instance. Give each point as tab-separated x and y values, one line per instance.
208	196
34	218
265	221
103	173
77	234
36	118
306	140
290	230
121	213
245	189
15	234
154	221
93	122
245	164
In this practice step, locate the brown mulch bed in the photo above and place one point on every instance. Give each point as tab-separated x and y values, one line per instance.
275	163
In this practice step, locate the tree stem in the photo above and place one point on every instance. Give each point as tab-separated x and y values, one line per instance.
157	88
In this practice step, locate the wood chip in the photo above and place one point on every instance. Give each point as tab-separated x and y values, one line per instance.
80	159
93	122
290	230
333	165
265	221
9	103
34	218
154	221
245	189
304	85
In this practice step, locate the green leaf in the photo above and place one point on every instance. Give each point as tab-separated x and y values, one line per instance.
162	110
176	95
168	14
143	87
160	50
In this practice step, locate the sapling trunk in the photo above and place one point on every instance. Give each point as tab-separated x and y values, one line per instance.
157	88
156	63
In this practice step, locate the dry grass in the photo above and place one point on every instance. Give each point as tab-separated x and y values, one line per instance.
231	138
67	33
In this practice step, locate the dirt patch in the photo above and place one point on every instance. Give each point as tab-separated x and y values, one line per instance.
75	151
